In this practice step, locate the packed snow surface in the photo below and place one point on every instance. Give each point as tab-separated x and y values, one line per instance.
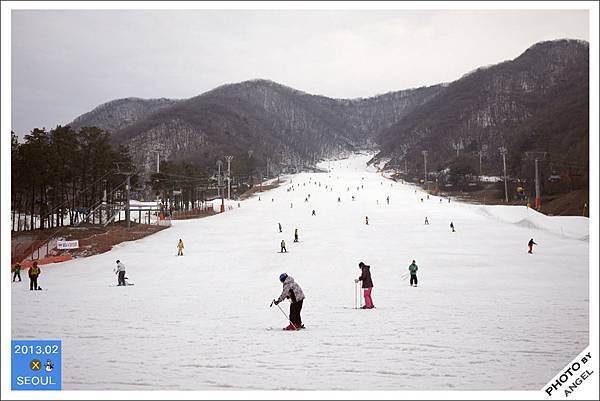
486	314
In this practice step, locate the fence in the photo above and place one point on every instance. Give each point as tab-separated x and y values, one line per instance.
193	213
96	243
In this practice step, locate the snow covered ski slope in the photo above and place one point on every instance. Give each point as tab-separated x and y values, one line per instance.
486	314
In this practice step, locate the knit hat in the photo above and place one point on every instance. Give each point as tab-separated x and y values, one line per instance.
282	277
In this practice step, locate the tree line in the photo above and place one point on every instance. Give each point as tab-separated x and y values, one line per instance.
58	175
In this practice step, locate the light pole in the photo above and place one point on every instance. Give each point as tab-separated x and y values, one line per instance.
220	185
537	156
228	158
503	153
424	152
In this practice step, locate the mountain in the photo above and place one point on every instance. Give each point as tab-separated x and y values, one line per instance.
537	102
273	121
118	114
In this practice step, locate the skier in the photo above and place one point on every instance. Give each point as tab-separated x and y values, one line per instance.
421	200
279	226
180	248
388	200
292	290
17	272
296	235
352	197
367	220
367	285
291	205
120	271
259	198
314	213
413	273
305	199
426	221
283	247
531	243
34	272
339	200
452	226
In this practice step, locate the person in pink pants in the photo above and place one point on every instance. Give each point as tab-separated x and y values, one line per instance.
367	285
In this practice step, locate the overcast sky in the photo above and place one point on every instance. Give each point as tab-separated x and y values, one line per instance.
64	63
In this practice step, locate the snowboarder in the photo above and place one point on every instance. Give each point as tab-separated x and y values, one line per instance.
314	213
367	220
367	285
283	247
120	271
413	273
452	226
296	235
530	244
426	221
180	248
292	290
34	272
279	226
17	272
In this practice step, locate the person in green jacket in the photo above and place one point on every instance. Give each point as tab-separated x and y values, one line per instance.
17	272
413	273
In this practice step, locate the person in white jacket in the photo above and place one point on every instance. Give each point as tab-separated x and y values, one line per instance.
120	271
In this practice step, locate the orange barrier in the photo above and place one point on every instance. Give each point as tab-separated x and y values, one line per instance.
26	264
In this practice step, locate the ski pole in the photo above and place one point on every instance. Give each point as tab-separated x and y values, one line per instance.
355	295
284	314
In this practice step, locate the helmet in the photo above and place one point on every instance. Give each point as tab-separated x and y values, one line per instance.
282	277
361	264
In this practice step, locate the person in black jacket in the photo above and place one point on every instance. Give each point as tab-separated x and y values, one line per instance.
367	285
34	272
530	244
